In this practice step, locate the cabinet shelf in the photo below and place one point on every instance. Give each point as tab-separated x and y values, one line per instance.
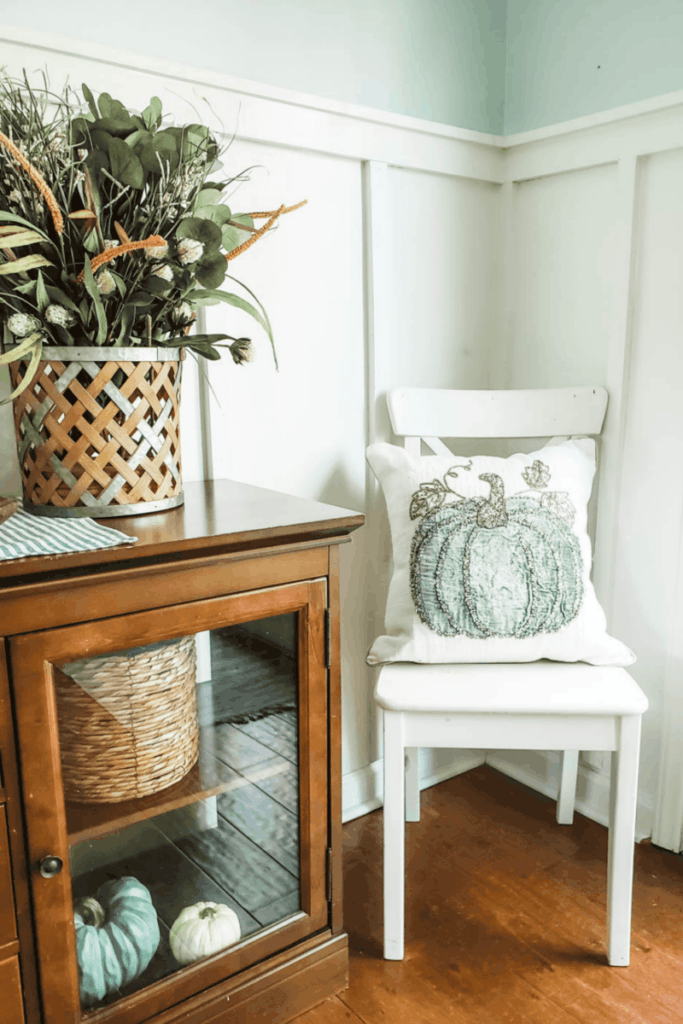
87	821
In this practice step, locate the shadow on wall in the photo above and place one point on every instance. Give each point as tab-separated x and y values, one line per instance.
339	489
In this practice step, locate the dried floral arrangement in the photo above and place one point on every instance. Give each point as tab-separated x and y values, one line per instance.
114	228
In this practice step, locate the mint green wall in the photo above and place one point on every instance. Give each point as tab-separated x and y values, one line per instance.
567	58
490	65
442	60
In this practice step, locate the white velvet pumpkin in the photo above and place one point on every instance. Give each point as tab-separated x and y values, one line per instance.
203	929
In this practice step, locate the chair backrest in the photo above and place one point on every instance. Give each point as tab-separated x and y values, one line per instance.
428	414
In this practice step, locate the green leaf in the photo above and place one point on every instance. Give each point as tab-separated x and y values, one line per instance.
91	243
11	238
196	344
64	337
114	116
211	270
125	165
120	283
219	214
115	125
244	218
201	230
57	295
127	321
42	297
184	281
162	150
156	285
13	218
140	299
20	350
37	340
90	100
151	115
207	197
139	138
197	141
101	139
208	339
231	237
25	289
261	309
105	103
239	303
91	288
80	129
23	264
96	163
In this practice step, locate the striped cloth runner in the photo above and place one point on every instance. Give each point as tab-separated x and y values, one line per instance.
23	535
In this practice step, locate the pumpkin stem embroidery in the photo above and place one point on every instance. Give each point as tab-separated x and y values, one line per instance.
492	512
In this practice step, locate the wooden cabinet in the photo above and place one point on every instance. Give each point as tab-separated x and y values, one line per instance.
177	716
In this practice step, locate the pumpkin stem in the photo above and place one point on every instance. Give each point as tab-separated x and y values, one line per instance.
493	513
91	911
207	912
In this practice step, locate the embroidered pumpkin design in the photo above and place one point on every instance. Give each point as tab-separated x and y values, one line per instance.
496	566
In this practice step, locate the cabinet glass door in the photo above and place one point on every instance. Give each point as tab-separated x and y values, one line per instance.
189	829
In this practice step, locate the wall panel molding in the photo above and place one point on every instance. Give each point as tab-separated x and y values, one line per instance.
348	144
617	383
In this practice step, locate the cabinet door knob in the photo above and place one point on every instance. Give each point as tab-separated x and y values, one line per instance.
50	866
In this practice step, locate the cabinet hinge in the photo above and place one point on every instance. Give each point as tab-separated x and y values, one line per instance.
328	638
328	874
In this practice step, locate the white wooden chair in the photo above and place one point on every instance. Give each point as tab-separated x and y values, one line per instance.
532	706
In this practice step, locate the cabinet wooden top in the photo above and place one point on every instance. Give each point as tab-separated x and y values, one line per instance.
218	515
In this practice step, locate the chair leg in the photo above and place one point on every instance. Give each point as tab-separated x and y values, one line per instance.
394	835
412	784
564	811
620	850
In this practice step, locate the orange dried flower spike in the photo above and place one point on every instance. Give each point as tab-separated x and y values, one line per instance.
272	216
38	180
153	242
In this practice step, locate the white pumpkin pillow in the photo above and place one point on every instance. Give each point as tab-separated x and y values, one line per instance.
491	558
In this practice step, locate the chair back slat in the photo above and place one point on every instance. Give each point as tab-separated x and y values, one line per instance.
437	446
548	412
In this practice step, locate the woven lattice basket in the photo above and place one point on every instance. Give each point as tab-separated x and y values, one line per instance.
127	722
98	431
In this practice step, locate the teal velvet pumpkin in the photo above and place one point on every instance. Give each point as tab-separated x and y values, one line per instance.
495	567
117	934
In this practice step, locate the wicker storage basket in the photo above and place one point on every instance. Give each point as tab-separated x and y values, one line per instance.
98	431
127	722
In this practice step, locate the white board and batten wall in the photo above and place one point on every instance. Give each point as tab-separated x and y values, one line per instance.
438	257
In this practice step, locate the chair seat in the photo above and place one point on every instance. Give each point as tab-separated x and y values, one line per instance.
537	687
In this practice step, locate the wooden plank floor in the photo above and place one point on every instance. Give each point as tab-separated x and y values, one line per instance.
505	918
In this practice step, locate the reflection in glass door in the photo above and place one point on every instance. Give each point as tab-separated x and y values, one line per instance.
180	771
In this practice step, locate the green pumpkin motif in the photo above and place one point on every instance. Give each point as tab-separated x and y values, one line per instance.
117	934
495	567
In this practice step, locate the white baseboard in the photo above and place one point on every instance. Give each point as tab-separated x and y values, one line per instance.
541	771
362	789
